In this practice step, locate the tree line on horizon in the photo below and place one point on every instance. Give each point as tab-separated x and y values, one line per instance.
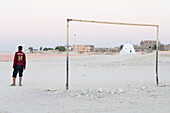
59	48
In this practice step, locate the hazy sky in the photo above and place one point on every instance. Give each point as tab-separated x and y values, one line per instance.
43	22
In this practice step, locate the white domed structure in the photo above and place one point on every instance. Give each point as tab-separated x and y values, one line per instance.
128	49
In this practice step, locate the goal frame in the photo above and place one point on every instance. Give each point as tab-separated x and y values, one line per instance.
115	23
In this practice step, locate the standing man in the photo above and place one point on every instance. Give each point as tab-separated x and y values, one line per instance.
18	65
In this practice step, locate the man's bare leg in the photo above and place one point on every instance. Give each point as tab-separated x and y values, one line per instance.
14	81
20	80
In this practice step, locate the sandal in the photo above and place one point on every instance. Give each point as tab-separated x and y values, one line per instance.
12	85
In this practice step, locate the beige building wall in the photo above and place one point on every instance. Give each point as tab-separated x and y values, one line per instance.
83	48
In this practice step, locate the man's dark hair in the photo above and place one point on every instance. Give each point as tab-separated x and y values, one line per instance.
20	47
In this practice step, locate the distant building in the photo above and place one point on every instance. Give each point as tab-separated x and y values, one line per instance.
102	50
149	44
167	47
162	47
107	50
116	49
144	49
83	48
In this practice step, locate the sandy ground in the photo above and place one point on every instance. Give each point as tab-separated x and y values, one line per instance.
98	84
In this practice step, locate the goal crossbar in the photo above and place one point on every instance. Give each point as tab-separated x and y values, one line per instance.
115	23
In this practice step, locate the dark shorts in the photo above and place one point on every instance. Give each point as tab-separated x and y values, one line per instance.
17	69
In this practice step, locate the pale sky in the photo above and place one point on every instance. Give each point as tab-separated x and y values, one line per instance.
43	22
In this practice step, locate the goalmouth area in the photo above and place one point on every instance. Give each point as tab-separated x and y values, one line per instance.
113	23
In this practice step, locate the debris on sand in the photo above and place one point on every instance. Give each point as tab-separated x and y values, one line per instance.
51	90
143	88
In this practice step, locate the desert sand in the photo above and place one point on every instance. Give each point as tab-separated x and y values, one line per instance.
97	84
